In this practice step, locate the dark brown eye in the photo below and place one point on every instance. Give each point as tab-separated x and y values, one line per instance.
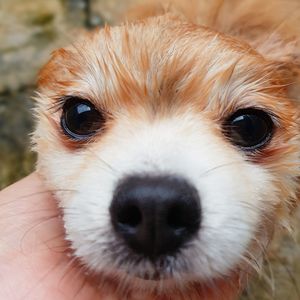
80	119
250	129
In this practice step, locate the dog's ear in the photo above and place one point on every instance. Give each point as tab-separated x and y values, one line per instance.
200	12
290	72
282	47
285	54
270	26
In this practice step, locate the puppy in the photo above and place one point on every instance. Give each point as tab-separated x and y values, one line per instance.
172	144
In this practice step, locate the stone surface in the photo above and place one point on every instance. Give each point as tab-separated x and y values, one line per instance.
16	159
29	31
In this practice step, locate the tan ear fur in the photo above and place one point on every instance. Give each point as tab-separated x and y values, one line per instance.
272	27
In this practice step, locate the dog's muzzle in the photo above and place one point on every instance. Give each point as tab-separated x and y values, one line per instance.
155	215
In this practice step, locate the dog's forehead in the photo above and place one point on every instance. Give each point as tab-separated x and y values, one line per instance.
156	60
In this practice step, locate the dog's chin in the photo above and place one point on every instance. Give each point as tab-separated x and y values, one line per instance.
143	287
143	282
155	284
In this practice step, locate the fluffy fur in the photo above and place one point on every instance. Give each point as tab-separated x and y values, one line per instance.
166	84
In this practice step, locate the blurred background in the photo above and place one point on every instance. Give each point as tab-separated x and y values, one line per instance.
29	31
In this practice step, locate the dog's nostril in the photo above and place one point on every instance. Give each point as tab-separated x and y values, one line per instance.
176	217
129	215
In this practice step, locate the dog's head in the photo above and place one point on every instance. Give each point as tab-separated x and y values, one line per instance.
171	149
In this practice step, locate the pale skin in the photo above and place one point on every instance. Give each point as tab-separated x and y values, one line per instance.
34	259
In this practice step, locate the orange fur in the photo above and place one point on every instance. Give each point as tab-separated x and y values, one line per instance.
173	63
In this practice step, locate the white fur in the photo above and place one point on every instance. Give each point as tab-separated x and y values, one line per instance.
234	193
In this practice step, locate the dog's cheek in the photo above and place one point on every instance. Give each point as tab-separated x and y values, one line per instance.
86	214
234	207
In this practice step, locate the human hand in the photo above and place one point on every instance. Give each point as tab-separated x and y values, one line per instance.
34	263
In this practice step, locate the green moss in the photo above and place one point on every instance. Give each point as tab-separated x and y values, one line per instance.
40	19
16	122
44	37
15	166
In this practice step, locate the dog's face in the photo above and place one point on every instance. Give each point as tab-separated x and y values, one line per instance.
171	150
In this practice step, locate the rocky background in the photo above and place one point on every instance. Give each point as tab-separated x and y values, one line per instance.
29	31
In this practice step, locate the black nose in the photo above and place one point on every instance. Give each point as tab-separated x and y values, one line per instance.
155	215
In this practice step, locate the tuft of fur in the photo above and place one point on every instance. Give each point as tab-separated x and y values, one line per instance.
271	27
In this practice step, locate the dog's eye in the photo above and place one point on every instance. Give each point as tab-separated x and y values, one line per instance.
250	129
80	119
